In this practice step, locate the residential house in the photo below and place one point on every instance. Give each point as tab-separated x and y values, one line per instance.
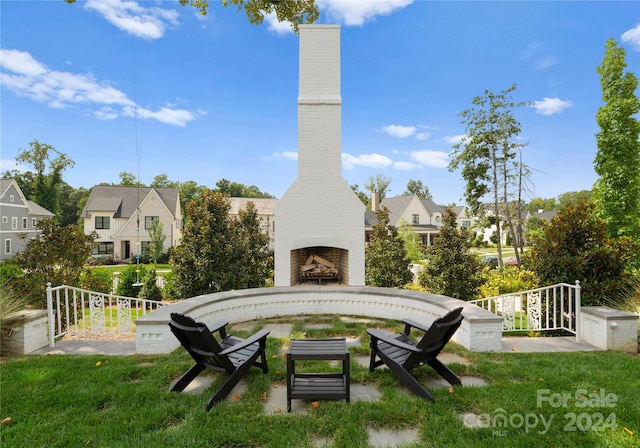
424	215
18	218
264	208
122	217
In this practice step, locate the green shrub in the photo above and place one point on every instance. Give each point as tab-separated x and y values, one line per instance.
128	278
509	279
575	246
169	291
150	289
97	279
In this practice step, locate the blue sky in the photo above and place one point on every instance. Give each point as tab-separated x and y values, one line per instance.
151	87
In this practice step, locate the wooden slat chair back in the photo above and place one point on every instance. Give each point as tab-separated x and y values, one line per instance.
401	354
229	354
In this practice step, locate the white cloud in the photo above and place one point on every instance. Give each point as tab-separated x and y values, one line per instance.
10	165
545	63
405	166
454	139
423	136
434	159
356	13
289	155
632	37
26	77
399	131
550	106
368	160
280	28
130	17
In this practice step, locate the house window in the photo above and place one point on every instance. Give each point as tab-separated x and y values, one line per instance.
11	198
24	223
7	246
102	222
5	219
14	223
34	221
146	245
148	221
438	219
466	223
415	219
105	248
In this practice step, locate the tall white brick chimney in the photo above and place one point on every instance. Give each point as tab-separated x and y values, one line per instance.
319	214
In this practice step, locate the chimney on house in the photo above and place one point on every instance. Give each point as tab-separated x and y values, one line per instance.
375	201
319	215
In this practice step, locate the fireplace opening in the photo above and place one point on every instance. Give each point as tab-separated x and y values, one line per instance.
319	265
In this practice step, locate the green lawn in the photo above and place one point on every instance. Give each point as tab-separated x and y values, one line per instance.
121	267
102	401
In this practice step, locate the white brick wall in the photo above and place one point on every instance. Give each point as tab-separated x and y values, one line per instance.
319	209
609	329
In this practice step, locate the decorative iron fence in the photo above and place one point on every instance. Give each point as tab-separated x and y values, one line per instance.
555	307
74	310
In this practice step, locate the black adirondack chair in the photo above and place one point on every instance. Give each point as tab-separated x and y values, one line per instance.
230	354
402	355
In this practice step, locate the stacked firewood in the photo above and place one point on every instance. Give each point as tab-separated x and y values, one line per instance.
318	267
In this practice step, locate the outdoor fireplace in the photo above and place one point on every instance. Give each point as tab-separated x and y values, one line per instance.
319	216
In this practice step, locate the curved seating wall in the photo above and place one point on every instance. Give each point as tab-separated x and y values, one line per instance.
480	329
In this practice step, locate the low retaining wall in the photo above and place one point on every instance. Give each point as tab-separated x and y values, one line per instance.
31	332
480	329
609	329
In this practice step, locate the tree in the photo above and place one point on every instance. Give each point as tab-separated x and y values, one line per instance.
162	181
378	184
488	157
541	204
58	256
128	179
252	247
416	187
218	253
237	190
366	200
72	201
450	268
157	240
616	192
295	11
411	243
575	246
386	260
46	186
573	198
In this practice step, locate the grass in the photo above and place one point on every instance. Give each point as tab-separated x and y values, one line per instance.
106	401
117	268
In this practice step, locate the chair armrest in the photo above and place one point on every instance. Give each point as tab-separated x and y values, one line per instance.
379	335
413	324
262	334
220	326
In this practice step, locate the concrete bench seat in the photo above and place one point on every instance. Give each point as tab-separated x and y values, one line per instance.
480	329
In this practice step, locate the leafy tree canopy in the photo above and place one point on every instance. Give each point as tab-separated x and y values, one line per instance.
295	11
416	187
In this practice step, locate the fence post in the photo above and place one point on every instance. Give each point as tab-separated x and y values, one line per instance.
578	305
52	328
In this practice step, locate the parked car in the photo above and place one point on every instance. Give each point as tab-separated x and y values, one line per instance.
511	261
492	262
